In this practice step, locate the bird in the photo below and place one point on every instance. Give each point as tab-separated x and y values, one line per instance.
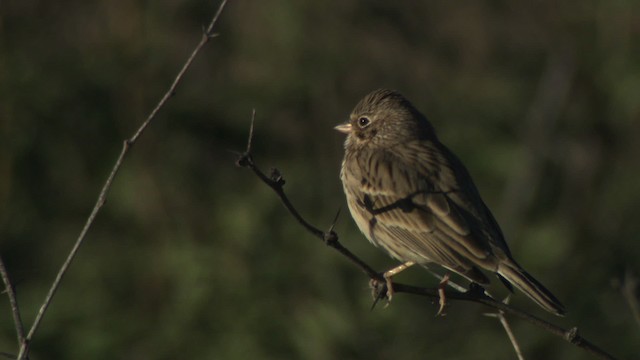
412	196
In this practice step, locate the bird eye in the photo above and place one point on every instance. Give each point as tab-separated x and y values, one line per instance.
363	122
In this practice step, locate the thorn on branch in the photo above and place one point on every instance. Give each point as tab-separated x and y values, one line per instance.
335	220
250	140
330	237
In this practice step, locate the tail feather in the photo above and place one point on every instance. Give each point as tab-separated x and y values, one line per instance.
531	287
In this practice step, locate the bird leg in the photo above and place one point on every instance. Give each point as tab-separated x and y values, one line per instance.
443	299
392	272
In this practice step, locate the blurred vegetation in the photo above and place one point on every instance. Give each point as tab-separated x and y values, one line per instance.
195	258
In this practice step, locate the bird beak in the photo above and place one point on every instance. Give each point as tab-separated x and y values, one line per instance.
344	128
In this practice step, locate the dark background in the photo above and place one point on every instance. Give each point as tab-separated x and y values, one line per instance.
194	258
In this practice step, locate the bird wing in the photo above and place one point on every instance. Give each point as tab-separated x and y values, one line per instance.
422	197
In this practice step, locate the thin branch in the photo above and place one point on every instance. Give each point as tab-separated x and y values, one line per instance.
15	310
475	293
206	36
507	329
24	348
276	182
512	338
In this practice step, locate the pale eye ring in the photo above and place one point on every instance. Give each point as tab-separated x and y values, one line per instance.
363	121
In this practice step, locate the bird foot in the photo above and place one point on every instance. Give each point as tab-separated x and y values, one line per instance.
392	272
384	289
441	294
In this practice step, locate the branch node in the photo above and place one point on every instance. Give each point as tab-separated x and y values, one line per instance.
244	160
572	335
276	177
330	238
378	291
208	33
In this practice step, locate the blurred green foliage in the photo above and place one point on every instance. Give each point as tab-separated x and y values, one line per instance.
195	258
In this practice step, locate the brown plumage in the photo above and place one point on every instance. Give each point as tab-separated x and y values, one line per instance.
410	195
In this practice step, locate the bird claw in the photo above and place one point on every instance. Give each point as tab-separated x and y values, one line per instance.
442	301
389	285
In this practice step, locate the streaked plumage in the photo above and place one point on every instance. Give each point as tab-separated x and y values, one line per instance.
410	195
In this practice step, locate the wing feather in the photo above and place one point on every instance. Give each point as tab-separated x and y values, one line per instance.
412	203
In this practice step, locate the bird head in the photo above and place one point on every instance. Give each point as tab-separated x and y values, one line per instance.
384	118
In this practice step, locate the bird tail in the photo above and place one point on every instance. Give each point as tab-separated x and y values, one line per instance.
531	287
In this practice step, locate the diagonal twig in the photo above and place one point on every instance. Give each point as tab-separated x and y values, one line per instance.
207	35
276	182
512	337
507	329
15	310
475	293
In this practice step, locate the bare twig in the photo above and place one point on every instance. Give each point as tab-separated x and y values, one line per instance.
507	328
512	338
475	293
128	143
276	182
15	310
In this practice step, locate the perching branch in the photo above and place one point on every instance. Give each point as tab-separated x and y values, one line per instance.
475	293
25	341
276	182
